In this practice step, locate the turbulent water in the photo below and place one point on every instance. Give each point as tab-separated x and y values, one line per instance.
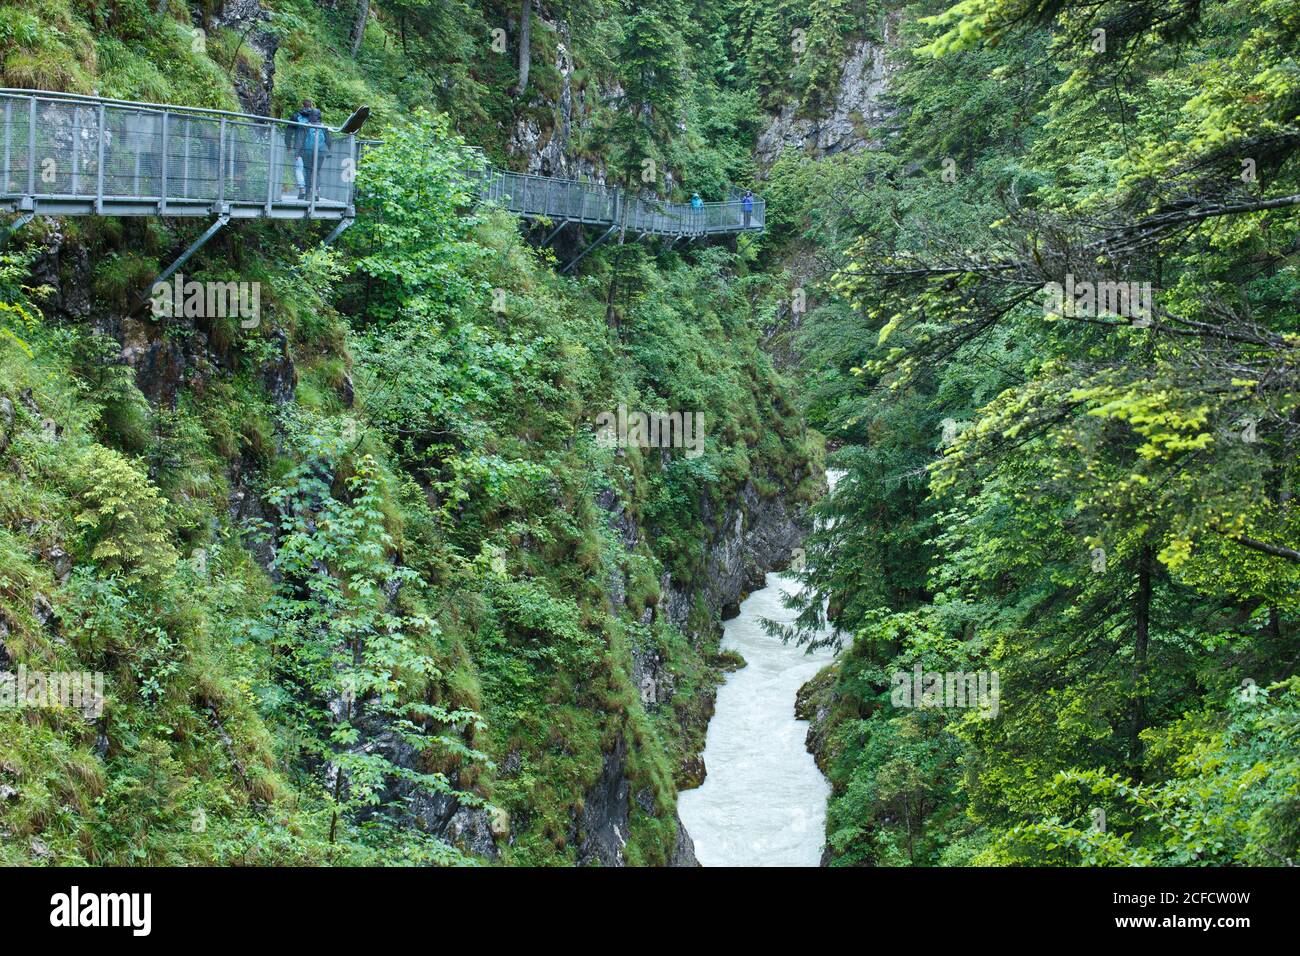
763	802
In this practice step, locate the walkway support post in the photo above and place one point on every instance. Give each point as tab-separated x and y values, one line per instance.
195	246
9	142
99	163
338	230
31	147
162	185
315	175
608	232
221	163
555	232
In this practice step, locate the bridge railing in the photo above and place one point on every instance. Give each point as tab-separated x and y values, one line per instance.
70	154
557	199
67	154
570	200
665	218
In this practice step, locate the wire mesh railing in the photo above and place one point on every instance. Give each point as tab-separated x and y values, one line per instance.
557	199
65	154
562	200
673	219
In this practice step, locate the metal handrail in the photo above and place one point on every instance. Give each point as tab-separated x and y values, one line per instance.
146	105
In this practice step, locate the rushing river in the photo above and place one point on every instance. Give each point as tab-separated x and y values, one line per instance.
763	801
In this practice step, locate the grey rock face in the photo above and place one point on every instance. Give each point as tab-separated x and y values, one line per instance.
750	536
684	848
754	535
550	152
855	115
42	610
814	703
471	830
280	376
67	270
252	86
654	682
6	422
166	356
629	535
468	828
602	827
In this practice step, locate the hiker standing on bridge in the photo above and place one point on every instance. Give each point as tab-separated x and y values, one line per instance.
311	146
747	205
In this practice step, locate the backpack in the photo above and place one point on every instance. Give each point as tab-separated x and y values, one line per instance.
315	140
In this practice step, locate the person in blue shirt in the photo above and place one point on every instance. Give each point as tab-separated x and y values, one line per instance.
747	205
696	201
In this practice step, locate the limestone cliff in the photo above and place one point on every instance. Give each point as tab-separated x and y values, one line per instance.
857	117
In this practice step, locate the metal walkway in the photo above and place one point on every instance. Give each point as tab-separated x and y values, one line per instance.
564	200
70	155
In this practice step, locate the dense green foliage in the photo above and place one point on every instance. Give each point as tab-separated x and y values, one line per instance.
349	570
364	565
1096	503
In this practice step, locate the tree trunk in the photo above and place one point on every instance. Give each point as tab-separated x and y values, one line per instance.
525	50
1281	493
359	25
611	315
1142	634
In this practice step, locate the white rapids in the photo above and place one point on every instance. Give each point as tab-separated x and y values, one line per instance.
763	801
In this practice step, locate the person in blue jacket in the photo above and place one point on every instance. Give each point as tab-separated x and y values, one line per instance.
747	205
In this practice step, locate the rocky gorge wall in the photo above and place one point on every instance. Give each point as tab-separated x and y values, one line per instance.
752	533
549	149
750	536
856	117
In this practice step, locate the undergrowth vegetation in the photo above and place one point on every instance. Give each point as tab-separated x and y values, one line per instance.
355	572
